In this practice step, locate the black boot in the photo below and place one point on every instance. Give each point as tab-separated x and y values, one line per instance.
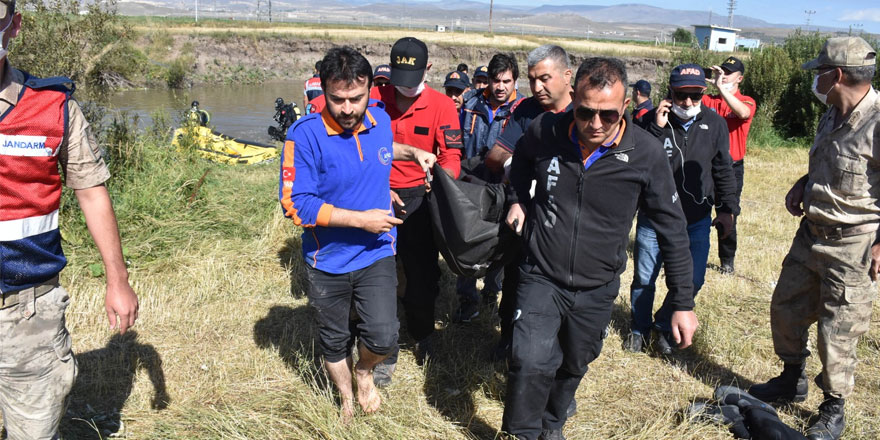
790	386
831	420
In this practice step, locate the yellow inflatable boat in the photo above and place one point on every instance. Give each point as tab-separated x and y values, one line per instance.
221	148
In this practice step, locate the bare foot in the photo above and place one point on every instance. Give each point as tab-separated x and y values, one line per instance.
346	414
368	396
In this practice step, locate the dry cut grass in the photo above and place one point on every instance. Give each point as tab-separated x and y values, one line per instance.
224	345
473	39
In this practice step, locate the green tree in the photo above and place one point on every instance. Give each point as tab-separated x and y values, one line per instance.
802	108
682	35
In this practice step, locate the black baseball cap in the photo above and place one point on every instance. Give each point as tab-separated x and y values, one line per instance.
687	75
644	87
456	79
733	64
409	59
481	71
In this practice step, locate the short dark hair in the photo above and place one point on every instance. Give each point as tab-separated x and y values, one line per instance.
462	67
345	64
601	72
501	63
318	65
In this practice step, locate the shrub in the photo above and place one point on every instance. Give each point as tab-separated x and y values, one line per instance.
682	35
58	40
802	108
765	80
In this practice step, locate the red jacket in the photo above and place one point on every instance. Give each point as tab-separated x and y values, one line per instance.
431	123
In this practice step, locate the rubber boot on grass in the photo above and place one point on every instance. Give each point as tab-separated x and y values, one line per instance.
831	420
790	386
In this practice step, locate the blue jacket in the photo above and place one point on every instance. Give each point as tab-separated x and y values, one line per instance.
323	167
479	126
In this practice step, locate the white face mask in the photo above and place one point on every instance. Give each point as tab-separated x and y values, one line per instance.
686	113
727	87
823	97
4	50
411	92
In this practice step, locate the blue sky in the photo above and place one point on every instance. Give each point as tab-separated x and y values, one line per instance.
839	13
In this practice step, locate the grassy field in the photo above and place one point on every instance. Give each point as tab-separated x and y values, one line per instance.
223	348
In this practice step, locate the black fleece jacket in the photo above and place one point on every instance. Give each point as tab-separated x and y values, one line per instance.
700	160
578	223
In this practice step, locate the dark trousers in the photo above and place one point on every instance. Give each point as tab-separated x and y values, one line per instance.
727	247
556	334
508	295
419	254
370	292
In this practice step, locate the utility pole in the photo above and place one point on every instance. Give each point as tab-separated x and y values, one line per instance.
197	11
270	11
857	25
491	4
731	6
809	15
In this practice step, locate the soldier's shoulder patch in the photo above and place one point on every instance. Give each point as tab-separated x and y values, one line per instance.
452	138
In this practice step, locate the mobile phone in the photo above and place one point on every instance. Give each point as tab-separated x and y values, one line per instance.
709	72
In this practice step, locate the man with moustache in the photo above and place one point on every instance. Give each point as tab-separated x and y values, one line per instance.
593	169
335	184
549	73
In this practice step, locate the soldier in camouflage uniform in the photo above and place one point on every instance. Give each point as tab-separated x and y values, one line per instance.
42	128
829	273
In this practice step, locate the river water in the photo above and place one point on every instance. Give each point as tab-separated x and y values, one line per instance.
243	111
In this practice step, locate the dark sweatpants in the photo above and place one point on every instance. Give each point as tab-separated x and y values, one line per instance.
727	247
556	334
419	254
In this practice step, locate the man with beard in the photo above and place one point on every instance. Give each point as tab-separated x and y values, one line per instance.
335	184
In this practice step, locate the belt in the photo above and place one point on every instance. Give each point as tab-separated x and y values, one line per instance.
836	232
10	299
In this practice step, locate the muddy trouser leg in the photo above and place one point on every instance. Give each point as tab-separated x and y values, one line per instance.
37	367
376	304
794	306
846	297
727	246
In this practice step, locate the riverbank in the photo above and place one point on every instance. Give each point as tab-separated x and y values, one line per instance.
247	55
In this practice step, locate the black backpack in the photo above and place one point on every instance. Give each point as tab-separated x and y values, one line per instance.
468	223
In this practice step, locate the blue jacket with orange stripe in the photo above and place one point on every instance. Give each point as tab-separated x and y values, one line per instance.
480	124
324	166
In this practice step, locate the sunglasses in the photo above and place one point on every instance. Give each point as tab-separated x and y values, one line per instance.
587	114
695	96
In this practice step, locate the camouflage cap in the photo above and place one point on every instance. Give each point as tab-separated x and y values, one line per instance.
7	5
843	52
